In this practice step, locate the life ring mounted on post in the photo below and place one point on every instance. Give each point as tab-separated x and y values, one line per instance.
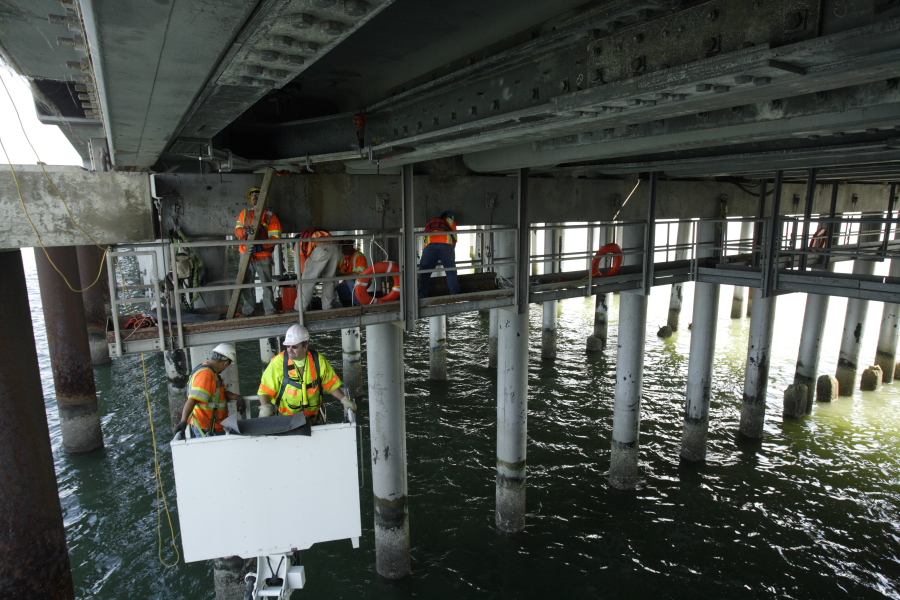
362	284
819	238
617	261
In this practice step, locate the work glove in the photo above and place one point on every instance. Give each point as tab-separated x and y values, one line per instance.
348	403
241	405
249	230
179	428
266	410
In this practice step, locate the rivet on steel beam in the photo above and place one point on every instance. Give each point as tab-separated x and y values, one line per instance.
761	80
535	94
88	105
564	85
637	63
711	44
678	97
648	102
249	81
720	88
473	111
663	96
597	75
495	105
609	131
703	87
331	27
278	74
820	96
307	46
268	56
644	14
292	59
742	79
302	21
71	21
598	49
633	102
737	111
64	41
356	8
703	116
84	96
612	109
712	15
638	38
633	127
255	70
793	20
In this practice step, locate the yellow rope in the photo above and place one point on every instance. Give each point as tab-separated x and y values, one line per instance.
160	492
65	204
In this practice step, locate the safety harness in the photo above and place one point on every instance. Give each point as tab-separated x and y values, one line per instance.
300	385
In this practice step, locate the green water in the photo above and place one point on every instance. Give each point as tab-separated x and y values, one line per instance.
810	512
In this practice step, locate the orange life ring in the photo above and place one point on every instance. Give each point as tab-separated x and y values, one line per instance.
362	284
617	261
818	239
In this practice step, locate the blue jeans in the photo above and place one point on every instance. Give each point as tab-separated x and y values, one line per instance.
347	293
431	256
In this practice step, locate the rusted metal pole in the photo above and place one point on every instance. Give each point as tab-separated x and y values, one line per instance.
70	353
35	560
96	300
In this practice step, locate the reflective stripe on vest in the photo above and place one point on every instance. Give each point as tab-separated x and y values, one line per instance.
306	390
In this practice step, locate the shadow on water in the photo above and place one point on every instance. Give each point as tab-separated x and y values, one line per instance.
810	511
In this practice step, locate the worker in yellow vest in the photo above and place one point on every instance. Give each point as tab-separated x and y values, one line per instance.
207	403
293	381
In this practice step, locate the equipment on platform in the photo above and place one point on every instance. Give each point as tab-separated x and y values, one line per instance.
226	350
362	284
616	265
317	470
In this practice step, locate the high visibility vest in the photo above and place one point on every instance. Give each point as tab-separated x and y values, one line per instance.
208	404
270	221
298	387
306	248
440	224
354	264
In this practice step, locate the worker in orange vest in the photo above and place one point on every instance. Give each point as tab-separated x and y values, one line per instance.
353	263
261	261
207	403
439	248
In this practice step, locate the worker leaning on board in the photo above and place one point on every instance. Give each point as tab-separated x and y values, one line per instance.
294	380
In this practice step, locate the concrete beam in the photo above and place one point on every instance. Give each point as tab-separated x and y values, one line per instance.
111	207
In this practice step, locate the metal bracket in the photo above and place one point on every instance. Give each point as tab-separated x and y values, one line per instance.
491	200
381	202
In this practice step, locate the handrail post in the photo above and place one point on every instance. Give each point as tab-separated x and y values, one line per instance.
523	238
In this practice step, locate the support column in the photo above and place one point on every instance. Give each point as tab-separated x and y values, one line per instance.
683	238
629	374
553	244
597	341
512	413
268	349
438	339
492	339
178	372
35	559
700	367
756	379
96	300
502	249
886	354
807	370
70	352
737	301
387	416
854	329
352	353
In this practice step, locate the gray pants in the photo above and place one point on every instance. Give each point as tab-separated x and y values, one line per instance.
263	270
323	262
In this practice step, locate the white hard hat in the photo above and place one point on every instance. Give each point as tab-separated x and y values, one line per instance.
226	350
296	334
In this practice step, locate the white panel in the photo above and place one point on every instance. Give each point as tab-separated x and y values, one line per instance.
252	496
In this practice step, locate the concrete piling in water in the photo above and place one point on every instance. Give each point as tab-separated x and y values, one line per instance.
438	344
178	371
553	245
886	353
387	419
795	398
623	468
70	352
228	578
756	379
35	559
700	367
351	348
807	368
737	301
826	389
512	411
91	262
268	349
683	239
597	340
492	339
854	328
871	379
